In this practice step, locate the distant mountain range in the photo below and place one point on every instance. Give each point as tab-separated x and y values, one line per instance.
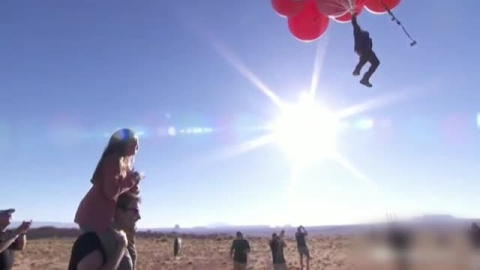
38	224
431	221
263	230
218	225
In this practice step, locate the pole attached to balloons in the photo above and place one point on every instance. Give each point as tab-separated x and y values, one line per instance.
414	42
308	20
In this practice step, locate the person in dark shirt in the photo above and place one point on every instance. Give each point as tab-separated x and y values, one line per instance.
88	252
277	244
399	239
11	241
364	48
239	252
302	246
474	236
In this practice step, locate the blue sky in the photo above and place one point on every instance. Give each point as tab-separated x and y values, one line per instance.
73	71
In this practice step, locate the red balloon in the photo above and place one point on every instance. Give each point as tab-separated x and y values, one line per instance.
309	24
287	8
377	7
333	8
347	17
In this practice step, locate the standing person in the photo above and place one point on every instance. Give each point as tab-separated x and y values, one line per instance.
113	176
239	252
364	49
399	240
11	241
177	245
277	244
88	252
302	246
474	236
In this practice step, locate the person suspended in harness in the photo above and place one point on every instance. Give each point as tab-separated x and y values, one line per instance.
364	49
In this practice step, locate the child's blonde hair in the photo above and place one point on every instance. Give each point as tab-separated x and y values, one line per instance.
117	145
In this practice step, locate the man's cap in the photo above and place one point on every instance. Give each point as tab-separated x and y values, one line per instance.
7	211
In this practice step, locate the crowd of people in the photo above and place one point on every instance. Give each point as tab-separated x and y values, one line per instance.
107	217
108	213
241	248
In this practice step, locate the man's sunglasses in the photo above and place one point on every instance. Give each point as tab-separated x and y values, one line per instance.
135	210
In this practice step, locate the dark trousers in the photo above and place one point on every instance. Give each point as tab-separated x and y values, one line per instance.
364	58
176	249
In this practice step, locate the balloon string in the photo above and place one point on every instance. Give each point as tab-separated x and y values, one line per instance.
414	42
352	6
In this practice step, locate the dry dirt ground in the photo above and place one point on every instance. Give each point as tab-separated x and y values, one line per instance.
212	253
208	254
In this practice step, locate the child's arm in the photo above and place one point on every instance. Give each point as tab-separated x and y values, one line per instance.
114	184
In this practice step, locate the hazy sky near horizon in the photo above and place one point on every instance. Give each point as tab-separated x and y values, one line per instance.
72	72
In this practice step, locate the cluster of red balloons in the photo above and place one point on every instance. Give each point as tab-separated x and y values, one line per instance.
309	19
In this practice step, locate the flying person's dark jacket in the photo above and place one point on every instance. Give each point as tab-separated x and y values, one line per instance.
363	42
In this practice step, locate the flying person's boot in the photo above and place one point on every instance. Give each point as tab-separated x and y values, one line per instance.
365	82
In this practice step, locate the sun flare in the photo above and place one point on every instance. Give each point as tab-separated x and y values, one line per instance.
306	131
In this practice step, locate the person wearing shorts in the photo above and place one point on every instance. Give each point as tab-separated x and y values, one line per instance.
302	246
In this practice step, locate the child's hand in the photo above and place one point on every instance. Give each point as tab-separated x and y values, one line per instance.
135	189
121	238
137	176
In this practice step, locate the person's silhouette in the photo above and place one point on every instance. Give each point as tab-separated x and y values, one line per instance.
364	48
400	242
177	245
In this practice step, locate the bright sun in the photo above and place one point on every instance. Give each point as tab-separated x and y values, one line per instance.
306	131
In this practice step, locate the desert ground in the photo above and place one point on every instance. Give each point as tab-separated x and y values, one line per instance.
211	253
